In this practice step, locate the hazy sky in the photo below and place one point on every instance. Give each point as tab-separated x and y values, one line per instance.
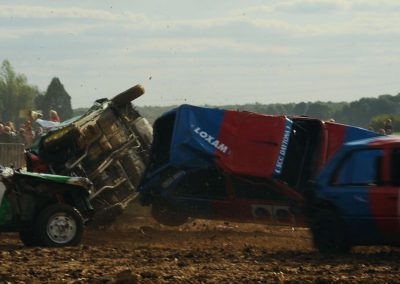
206	51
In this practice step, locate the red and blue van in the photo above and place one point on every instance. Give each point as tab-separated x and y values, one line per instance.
239	166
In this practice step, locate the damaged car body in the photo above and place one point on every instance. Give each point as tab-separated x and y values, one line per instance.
356	198
46	210
238	166
109	144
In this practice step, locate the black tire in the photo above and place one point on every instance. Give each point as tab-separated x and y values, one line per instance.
329	233
59	225
128	95
28	237
167	215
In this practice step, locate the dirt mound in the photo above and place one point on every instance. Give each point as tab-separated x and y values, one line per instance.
199	252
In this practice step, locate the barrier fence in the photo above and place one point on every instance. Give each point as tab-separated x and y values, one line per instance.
12	154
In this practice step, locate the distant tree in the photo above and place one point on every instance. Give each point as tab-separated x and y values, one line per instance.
56	98
361	111
79	111
300	108
15	93
358	113
377	122
319	110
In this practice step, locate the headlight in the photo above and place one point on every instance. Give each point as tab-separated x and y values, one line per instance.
58	134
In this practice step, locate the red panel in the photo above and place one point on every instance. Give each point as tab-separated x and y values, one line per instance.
384	202
254	142
335	138
386	141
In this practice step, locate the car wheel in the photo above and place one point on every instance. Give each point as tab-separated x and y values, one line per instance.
127	96
167	215
329	233
28	237
59	225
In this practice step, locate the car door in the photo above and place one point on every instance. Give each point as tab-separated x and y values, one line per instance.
384	197
204	194
349	190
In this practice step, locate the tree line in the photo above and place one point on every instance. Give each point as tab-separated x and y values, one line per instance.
17	97
365	112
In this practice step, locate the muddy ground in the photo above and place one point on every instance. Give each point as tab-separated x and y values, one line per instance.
139	250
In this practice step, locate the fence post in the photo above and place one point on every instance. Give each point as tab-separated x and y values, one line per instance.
12	154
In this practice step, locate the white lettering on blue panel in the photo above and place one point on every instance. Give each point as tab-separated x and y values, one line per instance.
284	146
211	140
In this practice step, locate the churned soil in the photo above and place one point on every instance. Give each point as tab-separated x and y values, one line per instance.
137	250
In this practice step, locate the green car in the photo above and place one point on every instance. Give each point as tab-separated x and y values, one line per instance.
46	210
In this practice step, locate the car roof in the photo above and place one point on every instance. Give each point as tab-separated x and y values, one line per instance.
374	142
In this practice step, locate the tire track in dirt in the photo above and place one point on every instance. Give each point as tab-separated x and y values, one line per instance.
199	252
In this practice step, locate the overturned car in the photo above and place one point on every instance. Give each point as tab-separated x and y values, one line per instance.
109	144
239	166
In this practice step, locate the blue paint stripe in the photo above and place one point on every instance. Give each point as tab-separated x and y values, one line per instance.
195	130
357	133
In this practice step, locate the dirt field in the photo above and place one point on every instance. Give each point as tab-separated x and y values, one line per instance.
199	252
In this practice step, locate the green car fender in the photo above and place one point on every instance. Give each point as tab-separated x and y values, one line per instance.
78	181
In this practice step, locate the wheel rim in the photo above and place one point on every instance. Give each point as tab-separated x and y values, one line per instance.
61	228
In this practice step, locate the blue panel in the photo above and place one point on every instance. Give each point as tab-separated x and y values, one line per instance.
356	133
195	136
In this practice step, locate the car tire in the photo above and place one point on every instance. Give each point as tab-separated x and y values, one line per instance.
329	234
128	95
28	237
59	225
167	215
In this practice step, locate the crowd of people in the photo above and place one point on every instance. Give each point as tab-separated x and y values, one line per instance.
27	131
387	128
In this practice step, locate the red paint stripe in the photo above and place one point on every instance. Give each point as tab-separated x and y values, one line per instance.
335	138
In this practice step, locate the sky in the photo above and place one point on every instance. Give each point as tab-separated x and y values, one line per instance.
208	51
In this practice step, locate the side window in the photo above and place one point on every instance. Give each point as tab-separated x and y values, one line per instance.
249	189
359	168
204	184
395	167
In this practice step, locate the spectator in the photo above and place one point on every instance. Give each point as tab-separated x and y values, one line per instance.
12	127
10	137
39	131
382	131
54	116
388	126
3	135
21	135
29	134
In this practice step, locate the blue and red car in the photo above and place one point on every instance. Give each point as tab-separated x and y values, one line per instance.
355	200
238	166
